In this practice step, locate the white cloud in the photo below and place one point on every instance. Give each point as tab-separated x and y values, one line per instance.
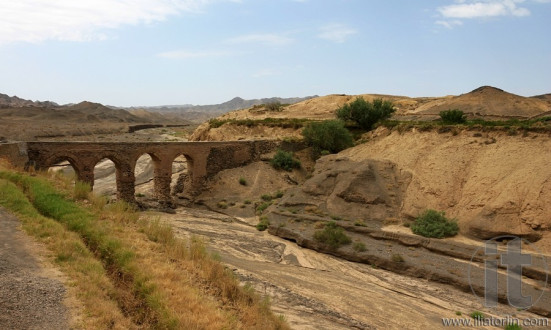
336	32
264	39
453	14
82	20
449	24
483	8
186	54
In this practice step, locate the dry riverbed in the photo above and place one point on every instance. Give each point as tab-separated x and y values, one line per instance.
319	291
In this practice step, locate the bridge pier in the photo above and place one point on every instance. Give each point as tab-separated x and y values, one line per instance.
85	174
125	182
162	178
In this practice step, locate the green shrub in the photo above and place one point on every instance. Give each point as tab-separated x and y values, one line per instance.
366	114
263	206
284	160
266	197
242	181
453	116
274	106
477	315
332	236
215	123
432	223
513	326
263	224
329	135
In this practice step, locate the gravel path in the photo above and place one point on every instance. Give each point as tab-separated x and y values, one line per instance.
30	298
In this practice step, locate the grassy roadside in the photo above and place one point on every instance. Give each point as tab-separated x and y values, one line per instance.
88	280
146	276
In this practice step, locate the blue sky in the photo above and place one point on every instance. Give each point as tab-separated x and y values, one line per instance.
156	52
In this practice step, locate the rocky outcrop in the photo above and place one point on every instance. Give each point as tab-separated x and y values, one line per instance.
369	189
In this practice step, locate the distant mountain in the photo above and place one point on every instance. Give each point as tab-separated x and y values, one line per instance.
14	101
233	104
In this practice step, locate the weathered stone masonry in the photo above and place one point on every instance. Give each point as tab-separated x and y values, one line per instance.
204	160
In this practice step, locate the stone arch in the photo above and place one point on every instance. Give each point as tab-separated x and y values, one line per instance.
185	171
145	168
59	159
105	171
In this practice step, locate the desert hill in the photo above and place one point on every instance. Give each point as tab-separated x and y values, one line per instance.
200	113
488	101
482	178
27	120
484	102
7	101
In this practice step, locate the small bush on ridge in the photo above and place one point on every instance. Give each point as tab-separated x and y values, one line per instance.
332	235
284	160
328	135
366	114
453	116
432	223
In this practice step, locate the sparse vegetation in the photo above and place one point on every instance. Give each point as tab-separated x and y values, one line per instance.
242	181
397	258
329	135
477	315
539	125
366	114
222	205
263	224
284	160
266	197
294	123
454	116
262	206
359	247
359	223
513	326
81	190
332	235
432	223
215	123
274	106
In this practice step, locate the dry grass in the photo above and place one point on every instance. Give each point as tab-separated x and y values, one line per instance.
81	190
180	277
88	281
234	306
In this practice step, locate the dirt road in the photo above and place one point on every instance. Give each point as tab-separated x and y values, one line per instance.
31	294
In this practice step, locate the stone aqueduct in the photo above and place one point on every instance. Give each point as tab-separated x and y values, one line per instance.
204	160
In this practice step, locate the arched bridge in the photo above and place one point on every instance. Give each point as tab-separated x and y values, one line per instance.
204	159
